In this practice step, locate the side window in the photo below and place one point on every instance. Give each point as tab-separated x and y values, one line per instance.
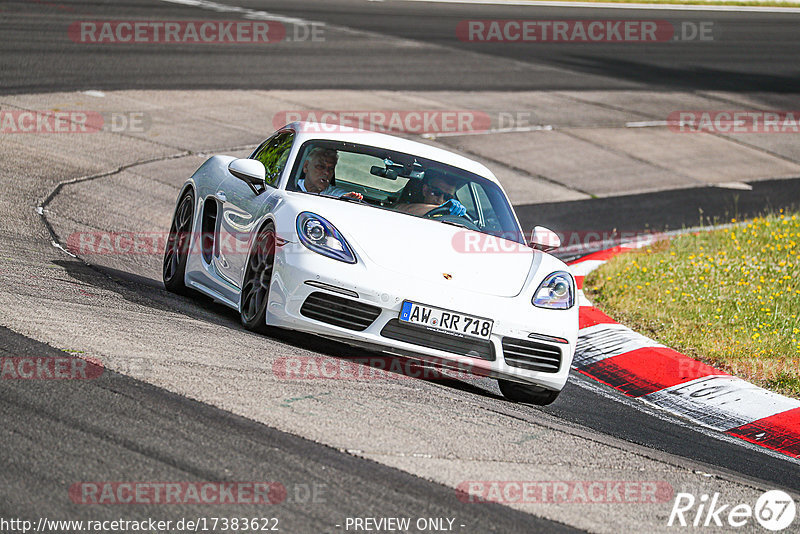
274	153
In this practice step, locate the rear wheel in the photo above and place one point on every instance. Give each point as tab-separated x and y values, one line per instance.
526	393
257	278
177	252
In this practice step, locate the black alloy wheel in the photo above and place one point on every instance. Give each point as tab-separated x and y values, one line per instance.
257	278
177	252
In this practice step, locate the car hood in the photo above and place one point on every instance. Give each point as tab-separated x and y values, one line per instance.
431	251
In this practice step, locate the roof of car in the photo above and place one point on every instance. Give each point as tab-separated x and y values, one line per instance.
312	130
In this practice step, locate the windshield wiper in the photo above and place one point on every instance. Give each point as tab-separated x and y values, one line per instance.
453	223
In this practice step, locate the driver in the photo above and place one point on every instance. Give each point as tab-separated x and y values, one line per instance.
318	172
437	191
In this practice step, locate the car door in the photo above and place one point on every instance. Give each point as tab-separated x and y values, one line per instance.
241	207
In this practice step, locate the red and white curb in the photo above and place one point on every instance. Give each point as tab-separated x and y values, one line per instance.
642	368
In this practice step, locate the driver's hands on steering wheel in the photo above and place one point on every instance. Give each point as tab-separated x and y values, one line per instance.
354	195
456	207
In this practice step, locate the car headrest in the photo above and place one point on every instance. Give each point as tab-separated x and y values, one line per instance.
412	193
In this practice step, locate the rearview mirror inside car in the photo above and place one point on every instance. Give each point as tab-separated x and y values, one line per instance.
391	174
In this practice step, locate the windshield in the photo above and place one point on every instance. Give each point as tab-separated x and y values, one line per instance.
404	183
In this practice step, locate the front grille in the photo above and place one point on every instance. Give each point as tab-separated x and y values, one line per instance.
419	335
531	355
339	311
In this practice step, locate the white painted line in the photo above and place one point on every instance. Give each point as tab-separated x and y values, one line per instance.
721	402
645	124
644	241
583	301
602	341
582	268
620	5
248	13
538	128
735	185
62	249
92	92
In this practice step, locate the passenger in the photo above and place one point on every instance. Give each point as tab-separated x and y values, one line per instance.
319	170
437	191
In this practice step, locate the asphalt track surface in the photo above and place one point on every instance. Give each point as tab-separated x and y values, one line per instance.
54	431
37	55
136	425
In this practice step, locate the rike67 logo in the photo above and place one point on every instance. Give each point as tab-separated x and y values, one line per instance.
775	510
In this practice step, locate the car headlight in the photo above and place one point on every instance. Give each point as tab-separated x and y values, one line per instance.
322	237
555	292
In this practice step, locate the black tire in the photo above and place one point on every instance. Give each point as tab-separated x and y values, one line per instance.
517	392
177	251
257	278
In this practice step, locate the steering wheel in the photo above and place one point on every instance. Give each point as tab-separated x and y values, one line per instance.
442	213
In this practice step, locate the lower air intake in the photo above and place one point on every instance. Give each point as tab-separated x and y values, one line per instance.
339	311
531	355
419	335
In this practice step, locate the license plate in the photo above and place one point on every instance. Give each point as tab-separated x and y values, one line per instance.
446	320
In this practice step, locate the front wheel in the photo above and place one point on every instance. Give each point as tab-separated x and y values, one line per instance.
257	278
177	252
526	393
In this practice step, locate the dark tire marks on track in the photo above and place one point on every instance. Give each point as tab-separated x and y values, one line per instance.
114	428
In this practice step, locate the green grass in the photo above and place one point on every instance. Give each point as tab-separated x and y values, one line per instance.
730	298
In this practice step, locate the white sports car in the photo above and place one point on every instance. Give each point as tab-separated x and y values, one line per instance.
383	243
